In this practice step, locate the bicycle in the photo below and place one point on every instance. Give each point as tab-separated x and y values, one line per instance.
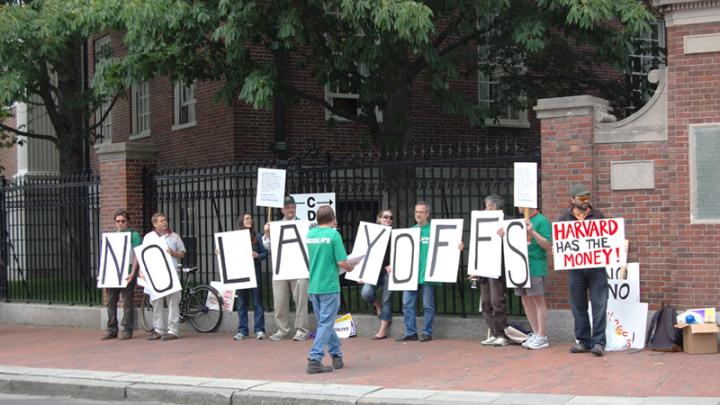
201	305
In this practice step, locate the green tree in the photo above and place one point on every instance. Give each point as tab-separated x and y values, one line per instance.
42	64
381	49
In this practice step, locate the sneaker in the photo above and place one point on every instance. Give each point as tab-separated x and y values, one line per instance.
579	348
527	341
501	341
276	337
425	338
109	336
489	341
154	336
540	342
337	362
316	367
598	350
407	338
125	336
300	336
239	336
169	336
260	335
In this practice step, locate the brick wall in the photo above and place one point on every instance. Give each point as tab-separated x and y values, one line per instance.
678	260
8	156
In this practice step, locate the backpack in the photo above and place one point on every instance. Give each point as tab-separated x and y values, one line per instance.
662	336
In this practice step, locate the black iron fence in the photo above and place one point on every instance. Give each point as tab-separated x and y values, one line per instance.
454	179
49	237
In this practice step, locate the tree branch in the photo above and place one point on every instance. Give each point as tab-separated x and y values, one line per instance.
105	114
33	135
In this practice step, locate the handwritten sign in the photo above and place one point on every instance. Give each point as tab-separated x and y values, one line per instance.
485	244
404	258
270	188
525	185
588	244
115	259
443	253
289	247
372	241
157	267
627	289
235	261
227	295
626	325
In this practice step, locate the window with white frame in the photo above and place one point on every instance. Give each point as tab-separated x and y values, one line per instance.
184	102
705	173
488	90
648	53
103	133
140	96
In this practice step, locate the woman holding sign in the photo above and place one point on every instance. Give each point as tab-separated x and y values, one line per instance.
259	254
384	307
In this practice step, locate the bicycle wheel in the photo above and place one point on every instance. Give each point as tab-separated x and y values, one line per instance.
201	317
146	314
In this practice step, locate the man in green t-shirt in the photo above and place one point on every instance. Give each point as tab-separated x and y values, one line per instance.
533	298
326	253
122	224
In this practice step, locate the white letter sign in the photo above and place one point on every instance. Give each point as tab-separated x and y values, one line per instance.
485	244
270	188
589	244
404	256
517	267
157	267
235	261
443	253
308	204
115	259
372	241
289	247
525	185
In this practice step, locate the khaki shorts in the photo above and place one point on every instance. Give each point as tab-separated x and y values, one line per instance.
537	287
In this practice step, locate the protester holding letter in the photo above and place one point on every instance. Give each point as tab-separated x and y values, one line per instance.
176	250
580	281
383	307
259	254
283	289
533	298
326	253
122	224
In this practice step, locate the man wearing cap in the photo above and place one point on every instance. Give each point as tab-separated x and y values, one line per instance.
582	281
283	289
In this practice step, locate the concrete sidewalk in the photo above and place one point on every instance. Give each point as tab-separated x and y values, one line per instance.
213	368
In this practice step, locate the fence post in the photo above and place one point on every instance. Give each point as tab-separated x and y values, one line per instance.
3	242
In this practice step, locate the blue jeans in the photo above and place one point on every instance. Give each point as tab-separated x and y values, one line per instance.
368	294
580	282
325	307
243	296
409	304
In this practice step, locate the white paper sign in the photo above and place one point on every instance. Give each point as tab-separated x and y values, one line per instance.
235	261
308	204
115	260
517	266
404	257
626	325
156	265
372	241
624	289
525	185
270	188
288	242
589	243
443	253
226	294
485	244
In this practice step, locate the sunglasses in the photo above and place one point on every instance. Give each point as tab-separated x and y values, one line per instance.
584	198
387	217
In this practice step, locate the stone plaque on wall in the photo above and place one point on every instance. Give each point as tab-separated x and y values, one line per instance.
632	175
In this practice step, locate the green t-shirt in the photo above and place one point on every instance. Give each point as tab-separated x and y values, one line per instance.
135	241
325	250
536	254
424	245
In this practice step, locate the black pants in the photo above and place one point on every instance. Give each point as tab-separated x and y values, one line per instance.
492	296
128	320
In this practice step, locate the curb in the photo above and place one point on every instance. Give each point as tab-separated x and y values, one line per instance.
133	388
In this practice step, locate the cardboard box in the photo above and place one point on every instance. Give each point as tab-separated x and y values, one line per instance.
699	338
